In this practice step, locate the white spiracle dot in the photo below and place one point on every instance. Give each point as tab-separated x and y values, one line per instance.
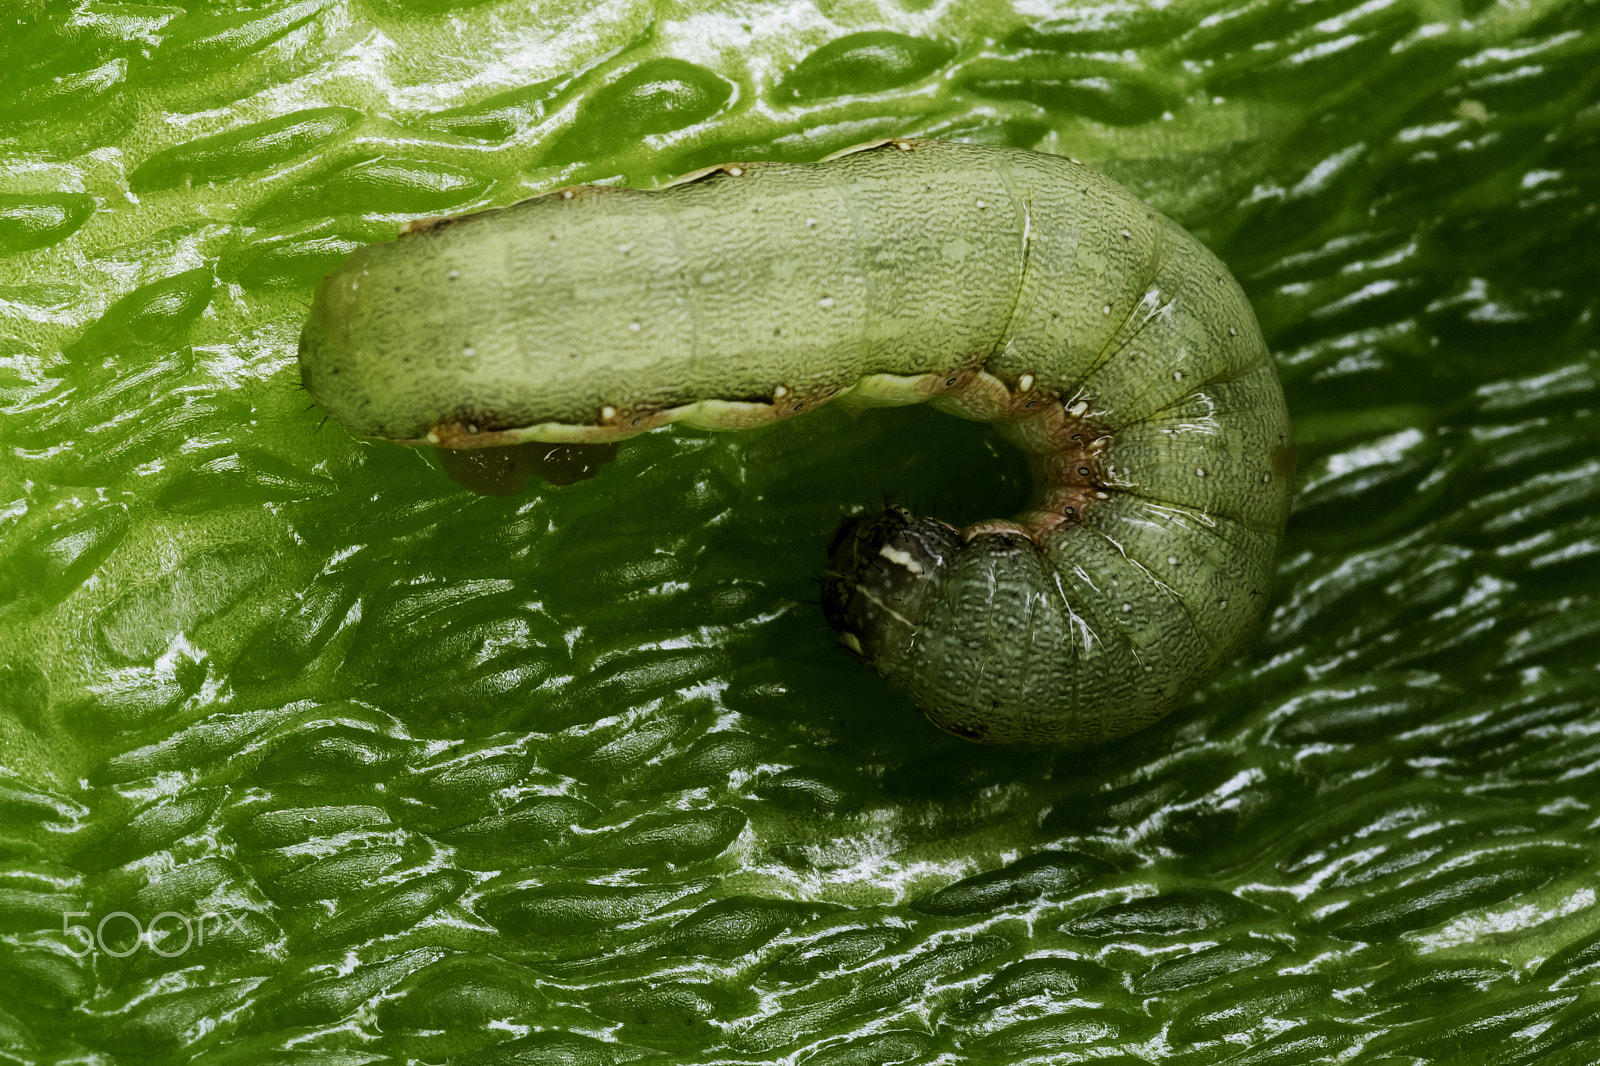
825	302
1266	479
1199	471
980	203
469	351
634	326
1172	560
1177	375
453	275
1106	310
1127	607
1222	603
736	171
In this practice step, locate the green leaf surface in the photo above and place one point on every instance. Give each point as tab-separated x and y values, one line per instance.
395	772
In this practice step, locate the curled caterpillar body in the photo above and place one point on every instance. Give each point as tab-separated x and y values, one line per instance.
996	283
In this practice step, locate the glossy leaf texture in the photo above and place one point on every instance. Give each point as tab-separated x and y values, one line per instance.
577	775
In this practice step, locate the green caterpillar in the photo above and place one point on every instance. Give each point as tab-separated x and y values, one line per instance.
998	284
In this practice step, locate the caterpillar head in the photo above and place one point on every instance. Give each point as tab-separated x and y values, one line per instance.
965	624
884	569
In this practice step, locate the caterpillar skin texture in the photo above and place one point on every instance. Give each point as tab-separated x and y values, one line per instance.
995	283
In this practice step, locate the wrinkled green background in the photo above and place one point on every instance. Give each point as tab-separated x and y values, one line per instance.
578	776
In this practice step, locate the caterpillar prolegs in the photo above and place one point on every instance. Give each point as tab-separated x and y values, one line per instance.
996	283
